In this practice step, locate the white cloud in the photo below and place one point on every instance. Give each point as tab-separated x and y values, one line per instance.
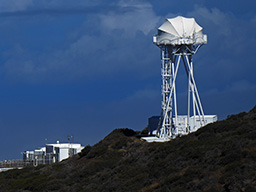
215	18
139	17
64	4
229	53
15	5
231	33
118	41
20	64
89	54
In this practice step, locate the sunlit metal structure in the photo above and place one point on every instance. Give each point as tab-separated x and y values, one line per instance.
179	39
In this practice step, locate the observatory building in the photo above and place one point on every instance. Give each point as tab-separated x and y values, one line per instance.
51	153
179	39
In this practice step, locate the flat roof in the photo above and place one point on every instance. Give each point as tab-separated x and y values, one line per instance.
65	145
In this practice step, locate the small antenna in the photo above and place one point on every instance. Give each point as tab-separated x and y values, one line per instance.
70	139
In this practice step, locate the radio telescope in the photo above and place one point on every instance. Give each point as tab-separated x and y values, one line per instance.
179	39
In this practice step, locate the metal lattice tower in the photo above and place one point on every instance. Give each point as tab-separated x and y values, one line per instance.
179	39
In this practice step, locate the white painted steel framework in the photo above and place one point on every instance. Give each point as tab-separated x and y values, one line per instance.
179	39
172	56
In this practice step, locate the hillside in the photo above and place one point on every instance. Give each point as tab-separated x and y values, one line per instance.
218	157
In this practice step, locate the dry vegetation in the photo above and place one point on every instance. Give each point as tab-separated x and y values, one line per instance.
218	157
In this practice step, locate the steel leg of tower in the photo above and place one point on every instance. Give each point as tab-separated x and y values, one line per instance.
169	125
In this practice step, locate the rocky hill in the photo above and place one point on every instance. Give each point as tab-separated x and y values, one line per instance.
218	157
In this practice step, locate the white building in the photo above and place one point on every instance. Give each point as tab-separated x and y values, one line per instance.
51	153
181	121
59	151
195	123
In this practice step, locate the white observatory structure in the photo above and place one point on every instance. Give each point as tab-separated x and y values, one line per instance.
179	39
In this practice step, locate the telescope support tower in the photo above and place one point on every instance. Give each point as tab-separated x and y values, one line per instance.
179	39
169	122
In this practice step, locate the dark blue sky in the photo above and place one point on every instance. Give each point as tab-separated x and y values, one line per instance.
88	67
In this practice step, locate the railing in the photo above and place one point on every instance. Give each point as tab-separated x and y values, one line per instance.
15	164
